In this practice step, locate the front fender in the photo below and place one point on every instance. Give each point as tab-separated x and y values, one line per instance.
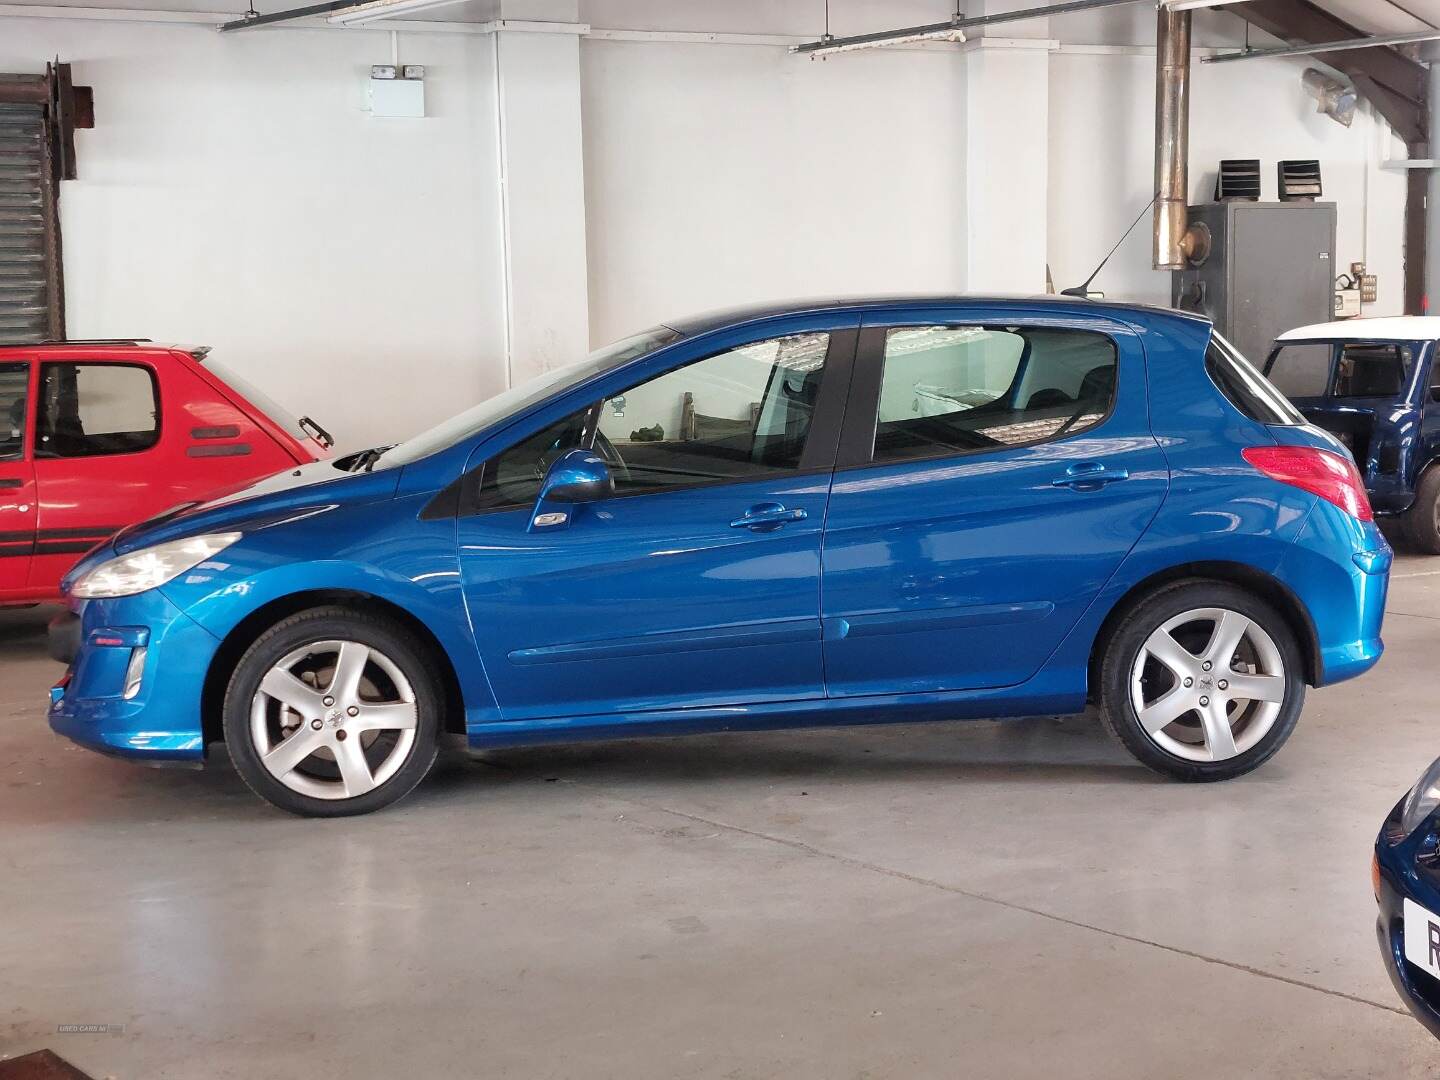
385	551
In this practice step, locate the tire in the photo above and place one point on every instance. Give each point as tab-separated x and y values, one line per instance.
1422	521
1141	672
354	690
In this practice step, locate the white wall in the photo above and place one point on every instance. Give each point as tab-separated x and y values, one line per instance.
233	193
717	175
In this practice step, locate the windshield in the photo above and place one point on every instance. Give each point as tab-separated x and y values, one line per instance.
517	398
261	400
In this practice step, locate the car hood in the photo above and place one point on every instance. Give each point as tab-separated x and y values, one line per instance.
261	504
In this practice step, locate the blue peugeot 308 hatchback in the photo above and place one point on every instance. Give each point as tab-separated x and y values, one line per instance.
832	512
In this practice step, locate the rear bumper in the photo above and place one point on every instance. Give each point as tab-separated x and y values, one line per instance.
123	693
1339	569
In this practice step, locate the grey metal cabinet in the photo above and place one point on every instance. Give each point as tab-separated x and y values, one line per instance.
1271	267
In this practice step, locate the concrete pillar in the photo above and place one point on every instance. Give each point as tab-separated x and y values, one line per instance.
542	196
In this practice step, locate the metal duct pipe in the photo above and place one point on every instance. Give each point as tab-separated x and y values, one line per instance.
1172	136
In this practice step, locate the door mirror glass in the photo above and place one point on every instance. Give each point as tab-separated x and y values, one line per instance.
577	476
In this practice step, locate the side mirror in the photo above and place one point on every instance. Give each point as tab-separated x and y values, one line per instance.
576	476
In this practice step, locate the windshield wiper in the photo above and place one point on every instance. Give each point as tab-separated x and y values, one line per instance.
366	459
323	437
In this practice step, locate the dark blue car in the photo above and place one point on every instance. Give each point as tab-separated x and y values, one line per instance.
834	512
1374	384
1407	886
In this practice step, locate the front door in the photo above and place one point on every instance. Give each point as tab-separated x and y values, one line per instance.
17	479
97	434
698	583
992	477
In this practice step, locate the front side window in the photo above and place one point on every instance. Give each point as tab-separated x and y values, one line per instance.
88	410
967	389
738	415
14	392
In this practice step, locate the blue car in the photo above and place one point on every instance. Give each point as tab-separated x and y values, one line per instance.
822	513
1406	874
1375	385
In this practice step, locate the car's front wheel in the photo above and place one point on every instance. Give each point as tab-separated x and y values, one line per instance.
1202	681
333	712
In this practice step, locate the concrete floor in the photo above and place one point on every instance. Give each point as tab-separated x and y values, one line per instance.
973	899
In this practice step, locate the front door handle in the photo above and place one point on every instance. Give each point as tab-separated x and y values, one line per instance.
766	517
1089	476
11	482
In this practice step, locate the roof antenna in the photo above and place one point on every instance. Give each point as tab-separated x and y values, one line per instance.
1083	290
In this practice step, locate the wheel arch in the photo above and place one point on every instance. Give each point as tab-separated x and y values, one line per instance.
248	630
1266	586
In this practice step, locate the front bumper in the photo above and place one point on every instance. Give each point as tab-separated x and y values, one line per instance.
135	681
1407	866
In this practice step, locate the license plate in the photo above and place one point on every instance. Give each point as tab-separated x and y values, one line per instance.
1422	938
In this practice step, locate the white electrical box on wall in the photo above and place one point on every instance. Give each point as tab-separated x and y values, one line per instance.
390	96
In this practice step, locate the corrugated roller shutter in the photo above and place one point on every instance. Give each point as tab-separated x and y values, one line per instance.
25	278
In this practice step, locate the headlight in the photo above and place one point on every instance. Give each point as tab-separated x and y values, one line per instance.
150	567
1424	797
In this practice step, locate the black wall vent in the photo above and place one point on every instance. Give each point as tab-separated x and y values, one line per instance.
1298	180
1238	178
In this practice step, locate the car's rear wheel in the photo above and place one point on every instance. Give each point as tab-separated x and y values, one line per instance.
1202	681
333	712
1422	520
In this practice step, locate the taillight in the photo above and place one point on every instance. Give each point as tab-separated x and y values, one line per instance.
1320	472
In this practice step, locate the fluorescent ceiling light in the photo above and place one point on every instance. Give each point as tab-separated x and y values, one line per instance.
385	9
825	48
1191	5
949	31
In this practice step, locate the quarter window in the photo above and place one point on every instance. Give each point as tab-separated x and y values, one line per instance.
87	410
967	389
14	389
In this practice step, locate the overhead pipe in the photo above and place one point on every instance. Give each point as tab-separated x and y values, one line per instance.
1174	241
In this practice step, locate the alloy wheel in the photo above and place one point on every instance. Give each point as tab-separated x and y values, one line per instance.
333	719
1208	684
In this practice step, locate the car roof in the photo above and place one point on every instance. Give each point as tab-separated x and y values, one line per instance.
103	348
715	320
1389	328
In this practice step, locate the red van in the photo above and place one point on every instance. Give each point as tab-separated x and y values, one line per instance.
97	435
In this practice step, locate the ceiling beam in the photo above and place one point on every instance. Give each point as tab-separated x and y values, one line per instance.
1390	80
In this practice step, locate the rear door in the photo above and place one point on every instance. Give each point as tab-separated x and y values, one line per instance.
993	474
17	478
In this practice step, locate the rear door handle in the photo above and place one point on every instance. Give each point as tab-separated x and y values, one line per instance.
766	517
1089	476
11	482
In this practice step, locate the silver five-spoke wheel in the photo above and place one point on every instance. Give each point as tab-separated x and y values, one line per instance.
1208	684
333	719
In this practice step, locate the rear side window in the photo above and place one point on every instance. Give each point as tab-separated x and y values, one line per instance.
1246	388
14	385
89	410
1371	370
968	389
